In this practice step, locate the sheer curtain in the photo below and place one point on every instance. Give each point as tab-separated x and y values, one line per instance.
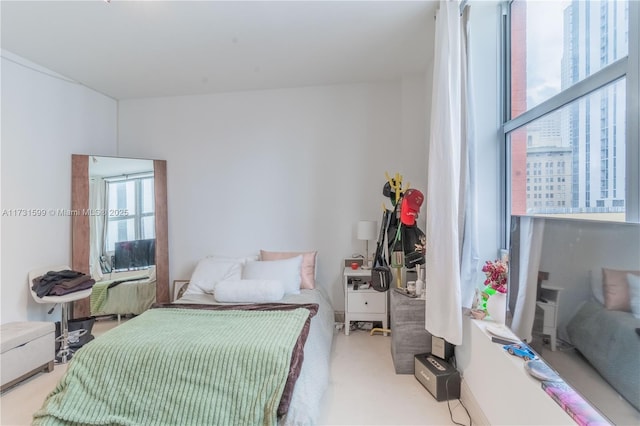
97	222
470	267
452	255
531	235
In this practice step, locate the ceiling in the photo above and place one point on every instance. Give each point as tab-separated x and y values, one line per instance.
138	49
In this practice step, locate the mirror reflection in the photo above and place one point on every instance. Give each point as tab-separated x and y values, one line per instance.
122	254
574	295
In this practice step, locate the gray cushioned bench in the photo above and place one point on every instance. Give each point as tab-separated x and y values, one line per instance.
26	348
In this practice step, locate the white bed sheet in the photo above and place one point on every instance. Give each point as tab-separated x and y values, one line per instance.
313	381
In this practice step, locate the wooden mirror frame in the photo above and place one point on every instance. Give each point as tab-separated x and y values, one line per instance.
80	228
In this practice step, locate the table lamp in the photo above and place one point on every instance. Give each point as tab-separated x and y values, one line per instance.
367	231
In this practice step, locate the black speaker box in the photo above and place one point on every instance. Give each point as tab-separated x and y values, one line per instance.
441	379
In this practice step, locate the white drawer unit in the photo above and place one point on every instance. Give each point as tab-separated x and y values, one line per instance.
366	302
550	298
362	303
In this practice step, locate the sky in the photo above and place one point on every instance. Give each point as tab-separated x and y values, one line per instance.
544	49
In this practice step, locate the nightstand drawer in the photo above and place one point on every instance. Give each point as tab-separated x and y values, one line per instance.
366	302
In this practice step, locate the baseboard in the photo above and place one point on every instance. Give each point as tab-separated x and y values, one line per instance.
469	401
48	367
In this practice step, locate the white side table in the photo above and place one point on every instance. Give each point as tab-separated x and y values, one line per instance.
549	306
363	304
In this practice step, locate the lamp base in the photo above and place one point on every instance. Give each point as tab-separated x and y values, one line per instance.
367	262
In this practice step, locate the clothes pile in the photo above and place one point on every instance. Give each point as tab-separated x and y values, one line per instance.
58	283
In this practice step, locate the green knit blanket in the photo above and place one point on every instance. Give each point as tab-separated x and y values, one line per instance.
98	296
100	292
180	367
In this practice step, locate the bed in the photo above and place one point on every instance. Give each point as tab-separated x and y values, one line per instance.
124	293
179	364
609	341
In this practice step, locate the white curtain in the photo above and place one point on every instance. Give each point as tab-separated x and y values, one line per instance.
451	221
531	235
97	201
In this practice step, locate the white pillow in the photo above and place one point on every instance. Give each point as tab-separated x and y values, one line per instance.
596	285
249	291
209	272
286	270
634	294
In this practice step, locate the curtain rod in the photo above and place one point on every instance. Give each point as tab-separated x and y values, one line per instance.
128	176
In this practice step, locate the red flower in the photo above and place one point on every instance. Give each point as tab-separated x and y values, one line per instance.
497	273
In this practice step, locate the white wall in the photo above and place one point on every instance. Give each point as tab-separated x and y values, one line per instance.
44	120
288	169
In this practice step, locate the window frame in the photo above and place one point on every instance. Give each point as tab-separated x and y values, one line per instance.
627	67
139	214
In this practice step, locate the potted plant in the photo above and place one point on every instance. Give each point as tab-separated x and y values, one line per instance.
496	272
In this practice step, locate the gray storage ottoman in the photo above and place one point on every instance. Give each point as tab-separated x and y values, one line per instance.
26	348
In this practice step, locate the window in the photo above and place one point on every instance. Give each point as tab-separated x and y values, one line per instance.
578	38
130	210
570	105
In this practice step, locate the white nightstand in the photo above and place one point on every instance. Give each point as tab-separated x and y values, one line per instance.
549	306
363	304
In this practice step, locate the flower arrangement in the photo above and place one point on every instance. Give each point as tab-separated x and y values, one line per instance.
496	273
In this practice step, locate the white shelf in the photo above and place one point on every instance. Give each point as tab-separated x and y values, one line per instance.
490	370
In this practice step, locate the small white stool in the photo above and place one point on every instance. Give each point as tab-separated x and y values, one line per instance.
26	348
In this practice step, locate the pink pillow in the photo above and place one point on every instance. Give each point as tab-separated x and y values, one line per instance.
308	272
616	289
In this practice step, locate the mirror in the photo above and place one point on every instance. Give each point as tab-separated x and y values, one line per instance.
580	318
120	233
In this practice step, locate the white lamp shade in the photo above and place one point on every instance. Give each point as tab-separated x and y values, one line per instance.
367	230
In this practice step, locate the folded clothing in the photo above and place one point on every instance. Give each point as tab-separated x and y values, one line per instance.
59	290
56	283
249	291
